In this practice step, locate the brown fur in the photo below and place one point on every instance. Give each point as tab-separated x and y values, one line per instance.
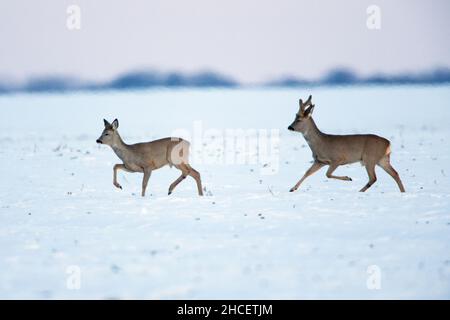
146	157
337	150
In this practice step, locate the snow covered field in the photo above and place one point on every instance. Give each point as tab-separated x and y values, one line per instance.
67	232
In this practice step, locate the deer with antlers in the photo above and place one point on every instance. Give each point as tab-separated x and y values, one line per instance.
336	150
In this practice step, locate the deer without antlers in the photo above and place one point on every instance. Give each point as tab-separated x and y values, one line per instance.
148	156
337	150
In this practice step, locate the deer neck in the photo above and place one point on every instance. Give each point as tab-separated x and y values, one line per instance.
120	148
313	135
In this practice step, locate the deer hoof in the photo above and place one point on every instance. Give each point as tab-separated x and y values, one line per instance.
118	186
349	179
169	193
292	190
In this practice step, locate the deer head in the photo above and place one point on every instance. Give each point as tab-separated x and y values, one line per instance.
109	134
303	116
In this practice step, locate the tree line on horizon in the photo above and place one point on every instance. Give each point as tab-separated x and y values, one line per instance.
153	79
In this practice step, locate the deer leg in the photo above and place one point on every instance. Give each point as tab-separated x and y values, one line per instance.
176	182
117	167
316	166
372	177
196	175
330	171
147	174
187	170
386	165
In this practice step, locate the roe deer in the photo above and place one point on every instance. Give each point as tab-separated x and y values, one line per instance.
337	150
148	156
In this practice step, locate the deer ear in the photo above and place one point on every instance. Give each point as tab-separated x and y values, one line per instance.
115	124
309	111
301	107
107	124
309	99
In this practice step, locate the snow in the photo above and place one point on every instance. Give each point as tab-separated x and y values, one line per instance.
67	232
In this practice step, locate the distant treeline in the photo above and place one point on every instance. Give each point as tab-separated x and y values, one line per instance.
152	79
339	77
126	81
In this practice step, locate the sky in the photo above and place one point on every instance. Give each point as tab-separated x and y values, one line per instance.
251	41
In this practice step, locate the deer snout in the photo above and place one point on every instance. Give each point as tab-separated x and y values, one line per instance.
99	141
291	128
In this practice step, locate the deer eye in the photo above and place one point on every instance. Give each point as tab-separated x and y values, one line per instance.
106	134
